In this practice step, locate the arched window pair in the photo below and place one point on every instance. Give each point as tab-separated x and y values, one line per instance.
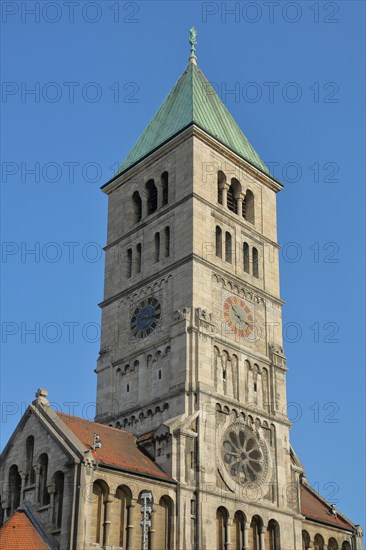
43	496
151	197
228	244
157	244
231	197
134	262
255	260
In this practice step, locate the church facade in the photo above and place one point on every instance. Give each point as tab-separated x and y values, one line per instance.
190	448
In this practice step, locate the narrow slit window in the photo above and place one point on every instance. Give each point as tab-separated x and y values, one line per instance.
157	247
218	242
255	263
165	187
228	248
221	180
137	206
167	241
138	258
129	263
246	259
249	207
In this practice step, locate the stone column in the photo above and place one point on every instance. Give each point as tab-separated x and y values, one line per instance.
51	491
22	475
239	205
107	519
37	470
225	188
261	538
159	187
227	534
129	527
246	537
143	196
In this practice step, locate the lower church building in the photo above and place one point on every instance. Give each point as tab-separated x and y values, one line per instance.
190	446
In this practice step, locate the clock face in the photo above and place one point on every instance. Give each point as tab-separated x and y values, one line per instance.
145	317
238	316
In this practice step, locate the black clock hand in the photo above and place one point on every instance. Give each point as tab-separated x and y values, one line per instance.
239	316
145	318
236	314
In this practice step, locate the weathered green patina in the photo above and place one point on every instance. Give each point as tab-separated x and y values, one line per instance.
193	41
192	101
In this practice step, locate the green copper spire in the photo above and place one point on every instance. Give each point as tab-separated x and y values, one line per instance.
192	100
193	42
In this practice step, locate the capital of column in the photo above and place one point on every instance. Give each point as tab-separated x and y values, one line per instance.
51	488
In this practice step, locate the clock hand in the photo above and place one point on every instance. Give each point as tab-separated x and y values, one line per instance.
239	316
236	314
144	318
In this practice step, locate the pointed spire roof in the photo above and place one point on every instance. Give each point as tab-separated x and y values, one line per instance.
192	101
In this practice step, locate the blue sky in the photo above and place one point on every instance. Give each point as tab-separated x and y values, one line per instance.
99	71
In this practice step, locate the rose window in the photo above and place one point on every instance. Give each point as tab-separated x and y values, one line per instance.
243	455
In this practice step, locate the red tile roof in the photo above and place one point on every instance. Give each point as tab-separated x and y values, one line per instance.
19	533
316	508
119	447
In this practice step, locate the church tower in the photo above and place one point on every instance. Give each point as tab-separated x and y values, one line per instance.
191	357
190	448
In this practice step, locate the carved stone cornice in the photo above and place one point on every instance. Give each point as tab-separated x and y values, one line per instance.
235	287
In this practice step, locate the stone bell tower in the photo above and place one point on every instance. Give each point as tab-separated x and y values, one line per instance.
191	357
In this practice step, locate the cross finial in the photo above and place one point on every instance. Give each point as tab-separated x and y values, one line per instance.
193	42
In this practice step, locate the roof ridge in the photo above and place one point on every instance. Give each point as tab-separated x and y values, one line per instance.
94	422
